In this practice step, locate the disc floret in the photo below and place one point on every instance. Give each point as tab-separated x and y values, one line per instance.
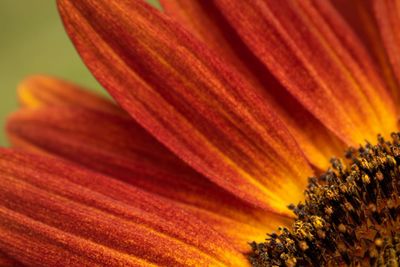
350	215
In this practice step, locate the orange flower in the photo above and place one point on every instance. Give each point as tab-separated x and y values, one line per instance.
225	109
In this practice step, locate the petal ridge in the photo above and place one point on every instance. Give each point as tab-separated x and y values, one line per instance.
74	200
206	108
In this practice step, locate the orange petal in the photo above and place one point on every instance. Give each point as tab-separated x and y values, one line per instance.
52	213
205	20
387	14
312	51
188	99
40	90
117	146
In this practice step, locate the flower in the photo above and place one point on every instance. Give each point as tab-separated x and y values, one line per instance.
227	107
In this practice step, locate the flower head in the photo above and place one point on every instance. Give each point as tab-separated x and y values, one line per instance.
225	109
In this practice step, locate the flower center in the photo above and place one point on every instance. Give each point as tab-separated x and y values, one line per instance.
350	214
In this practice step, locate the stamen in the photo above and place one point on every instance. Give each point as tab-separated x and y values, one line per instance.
350	215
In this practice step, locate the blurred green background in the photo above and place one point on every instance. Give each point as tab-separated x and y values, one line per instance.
33	41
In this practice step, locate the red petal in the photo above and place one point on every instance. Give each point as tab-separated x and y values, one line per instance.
207	22
6	261
54	214
360	16
387	14
117	146
310	49
188	99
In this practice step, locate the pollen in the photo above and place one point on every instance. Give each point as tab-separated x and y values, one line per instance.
350	215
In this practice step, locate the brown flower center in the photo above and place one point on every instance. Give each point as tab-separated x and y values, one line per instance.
350	215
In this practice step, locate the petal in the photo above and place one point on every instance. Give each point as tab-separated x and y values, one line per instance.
6	261
312	51
188	99
387	15
40	90
54	214
360	16
117	146
205	20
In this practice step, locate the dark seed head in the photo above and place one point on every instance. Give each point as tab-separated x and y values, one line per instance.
350	215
